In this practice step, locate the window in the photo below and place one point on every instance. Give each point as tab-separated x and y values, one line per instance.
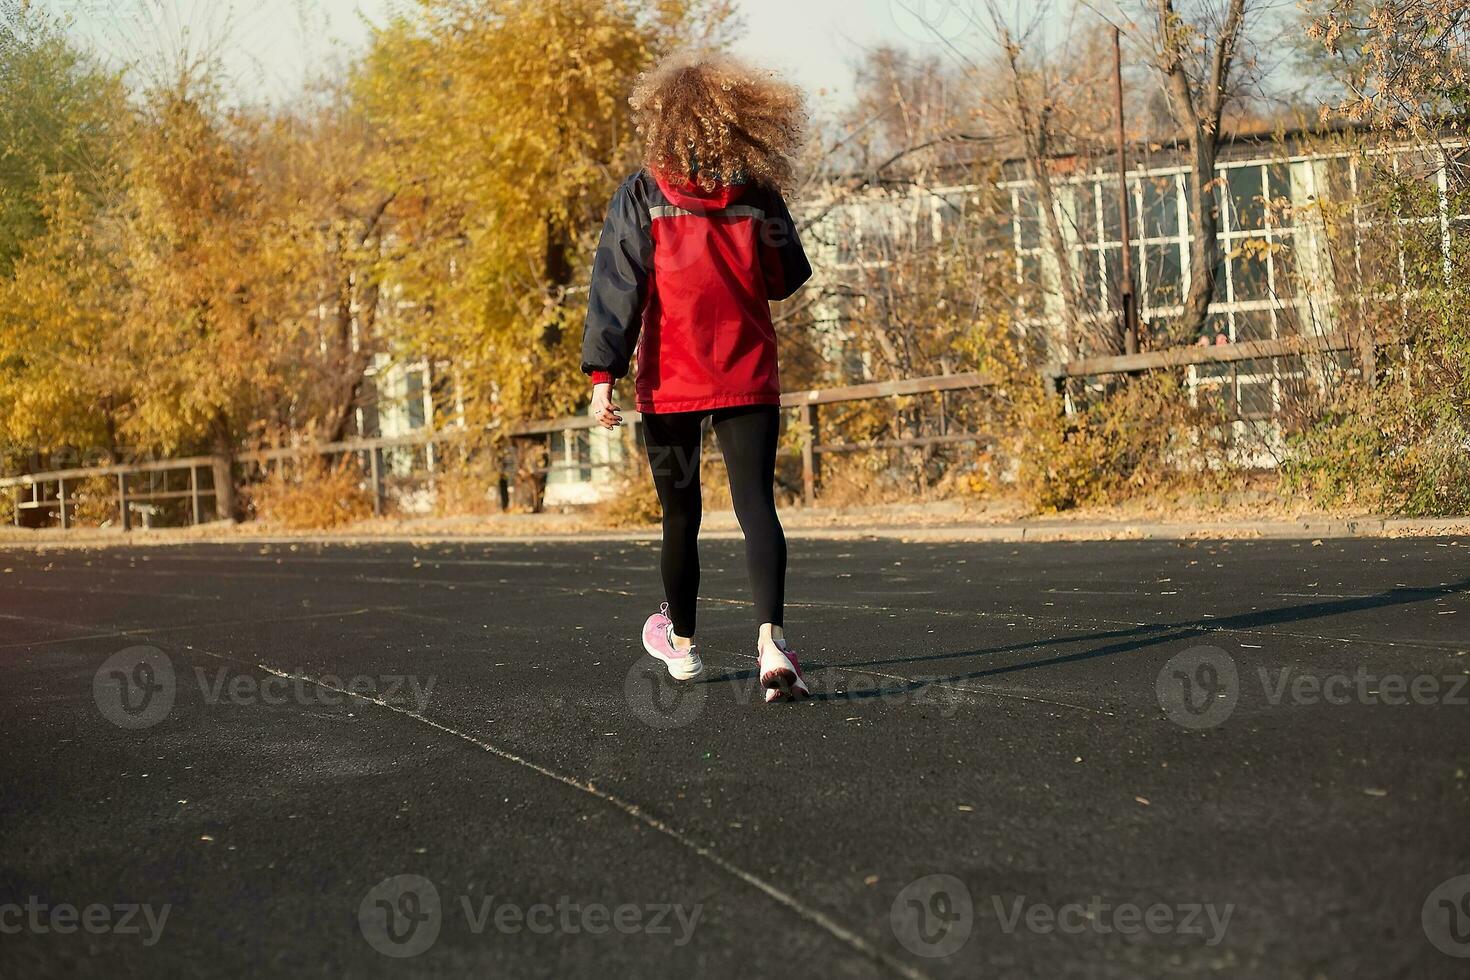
569	457
1335	180
1163	269
1249	274
1028	219
1285	276
1252	325
414	399
1084	216
1247	206
1160	210
1278	194
368	424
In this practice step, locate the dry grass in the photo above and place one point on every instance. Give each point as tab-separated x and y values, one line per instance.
95	502
315	495
633	503
469	486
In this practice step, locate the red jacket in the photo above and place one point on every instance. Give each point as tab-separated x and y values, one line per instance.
686	277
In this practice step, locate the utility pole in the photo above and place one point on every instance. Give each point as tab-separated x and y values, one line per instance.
1127	297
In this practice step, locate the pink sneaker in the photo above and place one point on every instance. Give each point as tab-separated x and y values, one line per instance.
781	674
658	640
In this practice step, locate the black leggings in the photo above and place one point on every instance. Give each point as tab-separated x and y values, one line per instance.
747	437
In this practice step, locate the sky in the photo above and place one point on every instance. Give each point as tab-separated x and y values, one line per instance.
282	42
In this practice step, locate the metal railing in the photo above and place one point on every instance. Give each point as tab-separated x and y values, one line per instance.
808	405
64	499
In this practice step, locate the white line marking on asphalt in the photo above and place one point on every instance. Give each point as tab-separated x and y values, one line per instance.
633	810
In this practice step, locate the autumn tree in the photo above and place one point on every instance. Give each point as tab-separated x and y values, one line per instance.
1399	63
61	119
1197	62
1048	104
61	384
324	223
60	113
505	131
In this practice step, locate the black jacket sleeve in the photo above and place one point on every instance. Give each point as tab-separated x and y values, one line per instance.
619	287
783	259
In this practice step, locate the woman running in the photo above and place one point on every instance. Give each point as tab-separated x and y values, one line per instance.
696	246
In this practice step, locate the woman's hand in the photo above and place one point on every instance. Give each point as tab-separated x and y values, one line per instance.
604	409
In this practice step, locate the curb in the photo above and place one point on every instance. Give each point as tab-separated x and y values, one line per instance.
1019	532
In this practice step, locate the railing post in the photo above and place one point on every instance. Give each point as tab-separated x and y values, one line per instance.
122	502
194	494
505	471
15	516
375	465
224	487
61	499
1367	357
811	462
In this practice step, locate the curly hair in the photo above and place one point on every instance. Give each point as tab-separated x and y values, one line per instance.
711	118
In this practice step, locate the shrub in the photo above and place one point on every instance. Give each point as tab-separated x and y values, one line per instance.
94	501
467	485
1137	437
633	502
1401	441
315	494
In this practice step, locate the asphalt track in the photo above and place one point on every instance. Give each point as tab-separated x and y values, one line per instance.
1045	760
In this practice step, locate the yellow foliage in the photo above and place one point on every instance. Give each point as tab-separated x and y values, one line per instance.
59	326
506	124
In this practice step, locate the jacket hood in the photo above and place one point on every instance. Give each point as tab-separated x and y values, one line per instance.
688	195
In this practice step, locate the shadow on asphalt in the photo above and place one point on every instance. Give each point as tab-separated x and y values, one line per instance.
1127	640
